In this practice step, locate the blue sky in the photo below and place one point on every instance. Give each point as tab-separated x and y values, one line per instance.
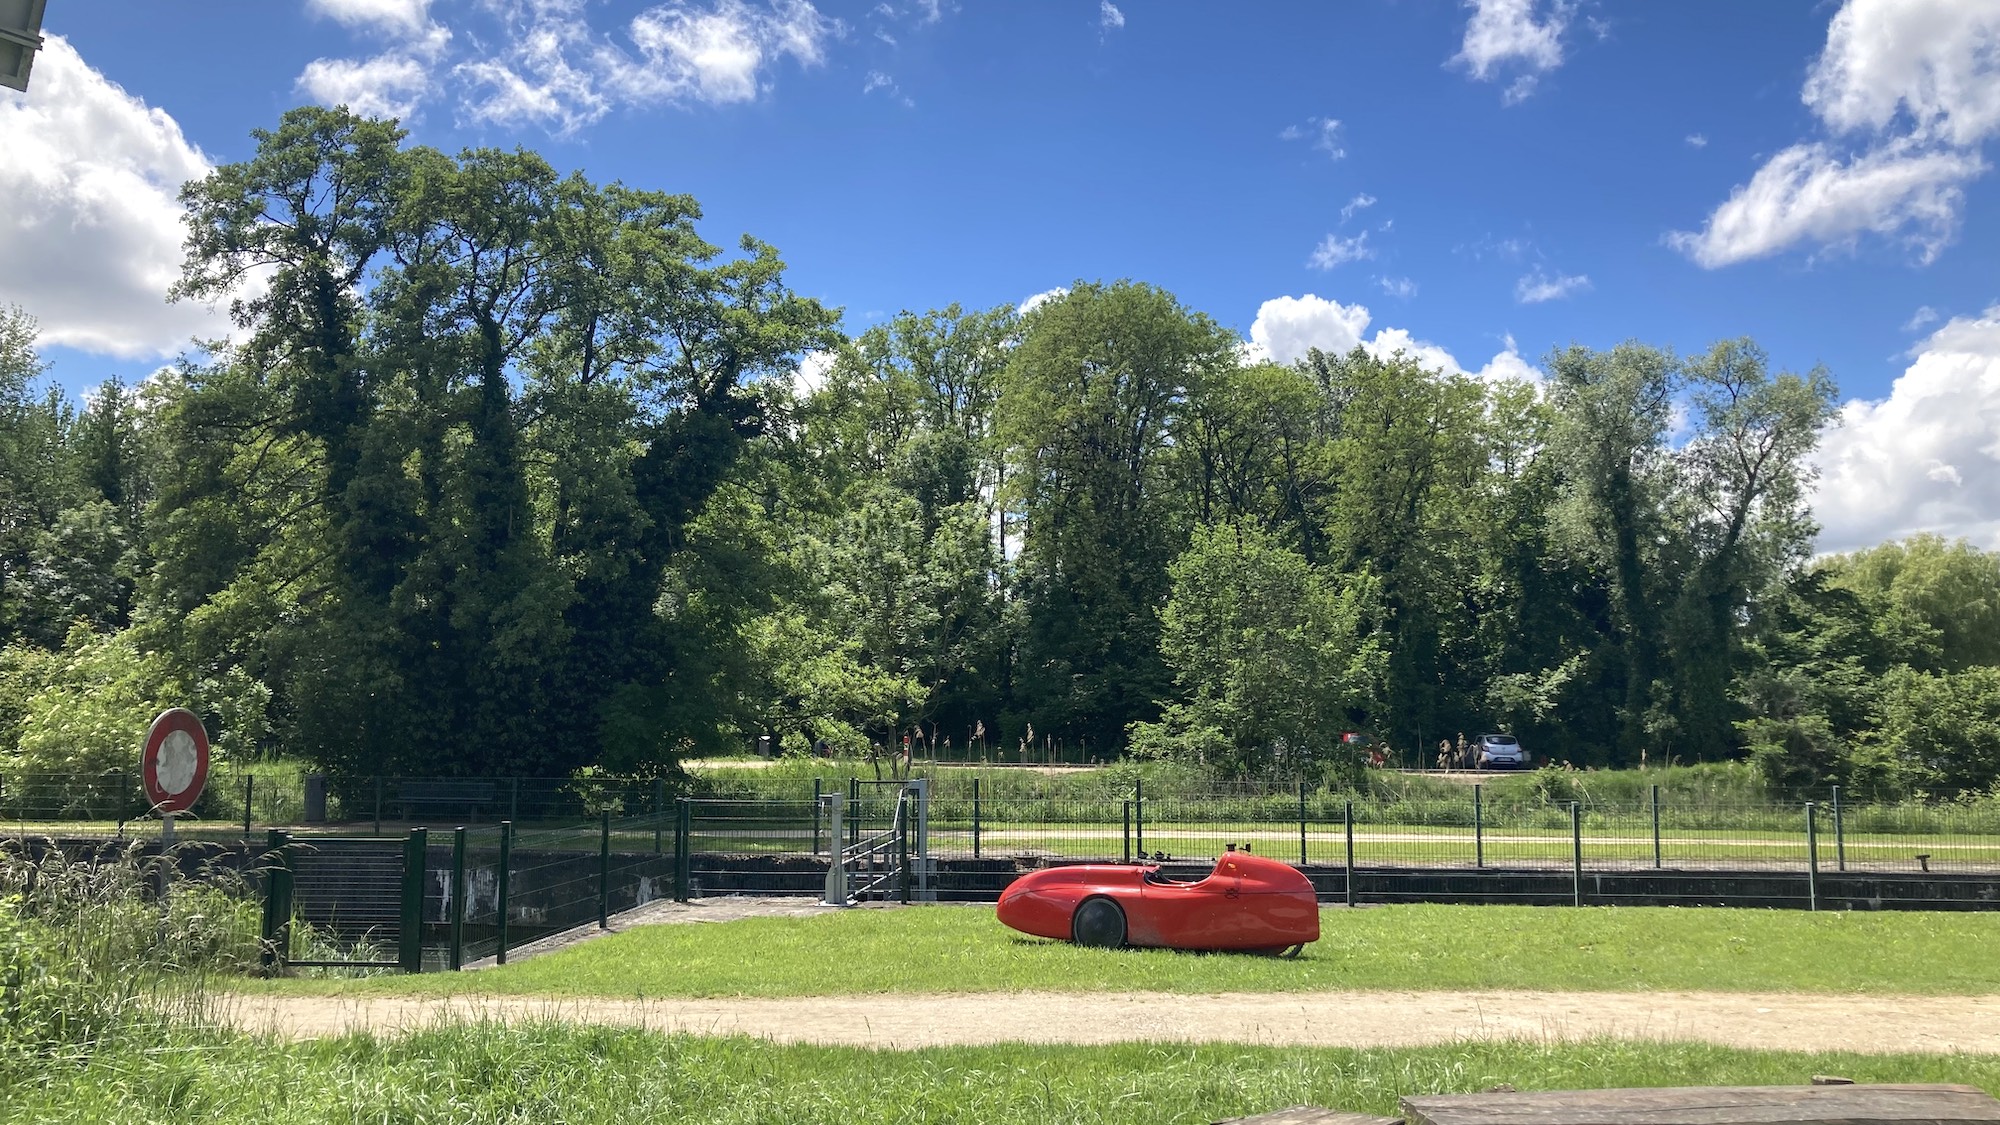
1478	182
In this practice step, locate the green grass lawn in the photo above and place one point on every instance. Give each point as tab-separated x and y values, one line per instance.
578	1075
964	949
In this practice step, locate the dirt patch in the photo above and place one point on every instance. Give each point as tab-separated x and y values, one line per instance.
1318	1019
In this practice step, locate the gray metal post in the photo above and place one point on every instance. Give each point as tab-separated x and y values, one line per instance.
1128	832
1478	828
1812	856
1348	819
975	823
922	786
836	871
1656	827
818	795
1839	833
1576	854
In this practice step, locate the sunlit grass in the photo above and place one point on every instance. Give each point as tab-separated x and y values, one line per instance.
964	949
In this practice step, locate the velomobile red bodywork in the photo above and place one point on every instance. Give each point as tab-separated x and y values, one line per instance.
1247	903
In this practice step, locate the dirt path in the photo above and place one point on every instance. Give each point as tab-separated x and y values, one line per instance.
1321	1019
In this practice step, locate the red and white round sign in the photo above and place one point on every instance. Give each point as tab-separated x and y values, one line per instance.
174	766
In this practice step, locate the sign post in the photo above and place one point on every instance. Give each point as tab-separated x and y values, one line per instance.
173	767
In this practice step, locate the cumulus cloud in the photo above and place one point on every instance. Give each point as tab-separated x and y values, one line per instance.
1926	457
384	86
1505	36
91	230
542	62
1288	327
1108	16
1807	194
1333	250
1359	203
1324	132
811	373
1696	140
1910	89
1538	286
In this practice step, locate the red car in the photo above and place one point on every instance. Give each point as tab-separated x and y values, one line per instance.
1247	903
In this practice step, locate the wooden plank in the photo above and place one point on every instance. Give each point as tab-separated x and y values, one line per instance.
1310	1115
1713	1105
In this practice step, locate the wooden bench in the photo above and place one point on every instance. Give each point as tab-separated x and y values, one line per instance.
1681	1105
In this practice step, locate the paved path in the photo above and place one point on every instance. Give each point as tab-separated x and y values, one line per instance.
1328	1019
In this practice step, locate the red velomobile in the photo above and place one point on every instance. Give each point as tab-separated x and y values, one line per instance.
1247	903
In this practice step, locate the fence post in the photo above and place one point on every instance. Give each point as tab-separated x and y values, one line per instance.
604	869
975	822
410	937
836	871
1812	856
457	951
1139	816
683	823
1839	834
1576	853
853	811
249	792
1347	818
659	812
1478	827
1127	806
1656	827
818	792
506	862
277	929
1302	824
378	804
903	843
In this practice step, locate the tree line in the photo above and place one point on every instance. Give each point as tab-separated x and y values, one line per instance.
511	472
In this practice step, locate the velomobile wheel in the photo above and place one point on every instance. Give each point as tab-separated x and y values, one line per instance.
1099	922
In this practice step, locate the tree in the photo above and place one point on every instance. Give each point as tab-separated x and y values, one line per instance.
1951	590
1274	659
1093	396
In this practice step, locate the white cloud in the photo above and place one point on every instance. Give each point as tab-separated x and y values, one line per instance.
1924	315
91	228
1504	34
1401	287
1537	287
1334	250
1932	66
1035	301
1287	327
1108	16
1927	457
1919	82
542	62
392	15
812	371
384	86
1696	140
1325	135
1359	203
1806	193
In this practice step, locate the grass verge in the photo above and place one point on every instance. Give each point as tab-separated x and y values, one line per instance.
571	1074
963	949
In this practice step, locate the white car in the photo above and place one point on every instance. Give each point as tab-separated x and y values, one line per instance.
1501	751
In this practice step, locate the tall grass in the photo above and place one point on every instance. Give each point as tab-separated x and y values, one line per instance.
97	951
